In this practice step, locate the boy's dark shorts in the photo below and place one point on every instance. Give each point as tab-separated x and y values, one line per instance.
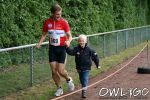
57	53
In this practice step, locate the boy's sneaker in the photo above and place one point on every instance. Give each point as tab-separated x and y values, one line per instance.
59	92
70	84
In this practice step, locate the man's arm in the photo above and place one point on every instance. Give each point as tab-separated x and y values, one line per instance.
41	39
69	37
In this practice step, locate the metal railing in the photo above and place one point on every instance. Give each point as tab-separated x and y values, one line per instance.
14	61
146	28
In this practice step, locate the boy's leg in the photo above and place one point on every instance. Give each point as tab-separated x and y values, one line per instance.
85	79
80	76
85	83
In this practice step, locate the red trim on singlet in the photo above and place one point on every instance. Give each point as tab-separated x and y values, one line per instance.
60	24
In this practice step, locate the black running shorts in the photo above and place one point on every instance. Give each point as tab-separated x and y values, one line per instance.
57	53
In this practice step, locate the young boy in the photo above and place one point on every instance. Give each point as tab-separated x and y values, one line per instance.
83	59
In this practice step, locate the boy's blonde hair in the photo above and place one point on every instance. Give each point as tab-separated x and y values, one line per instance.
83	37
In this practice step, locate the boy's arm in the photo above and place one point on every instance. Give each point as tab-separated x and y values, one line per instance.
95	58
70	51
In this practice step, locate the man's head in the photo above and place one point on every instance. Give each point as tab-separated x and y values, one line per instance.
56	11
82	40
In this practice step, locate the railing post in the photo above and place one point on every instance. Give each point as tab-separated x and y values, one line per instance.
140	36
147	55
104	45
126	39
88	39
133	37
116	42
147	36
31	66
148	33
144	36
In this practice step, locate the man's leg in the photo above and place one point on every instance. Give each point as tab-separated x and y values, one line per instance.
55	74
64	73
56	78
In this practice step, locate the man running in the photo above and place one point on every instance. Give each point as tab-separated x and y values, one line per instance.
59	38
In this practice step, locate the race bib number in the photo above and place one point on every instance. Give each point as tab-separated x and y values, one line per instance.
57	38
54	40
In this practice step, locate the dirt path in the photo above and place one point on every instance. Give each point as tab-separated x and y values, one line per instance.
130	85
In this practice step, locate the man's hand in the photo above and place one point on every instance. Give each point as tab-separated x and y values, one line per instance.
67	43
38	46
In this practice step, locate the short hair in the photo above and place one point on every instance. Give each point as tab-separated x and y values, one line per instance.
55	8
83	37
